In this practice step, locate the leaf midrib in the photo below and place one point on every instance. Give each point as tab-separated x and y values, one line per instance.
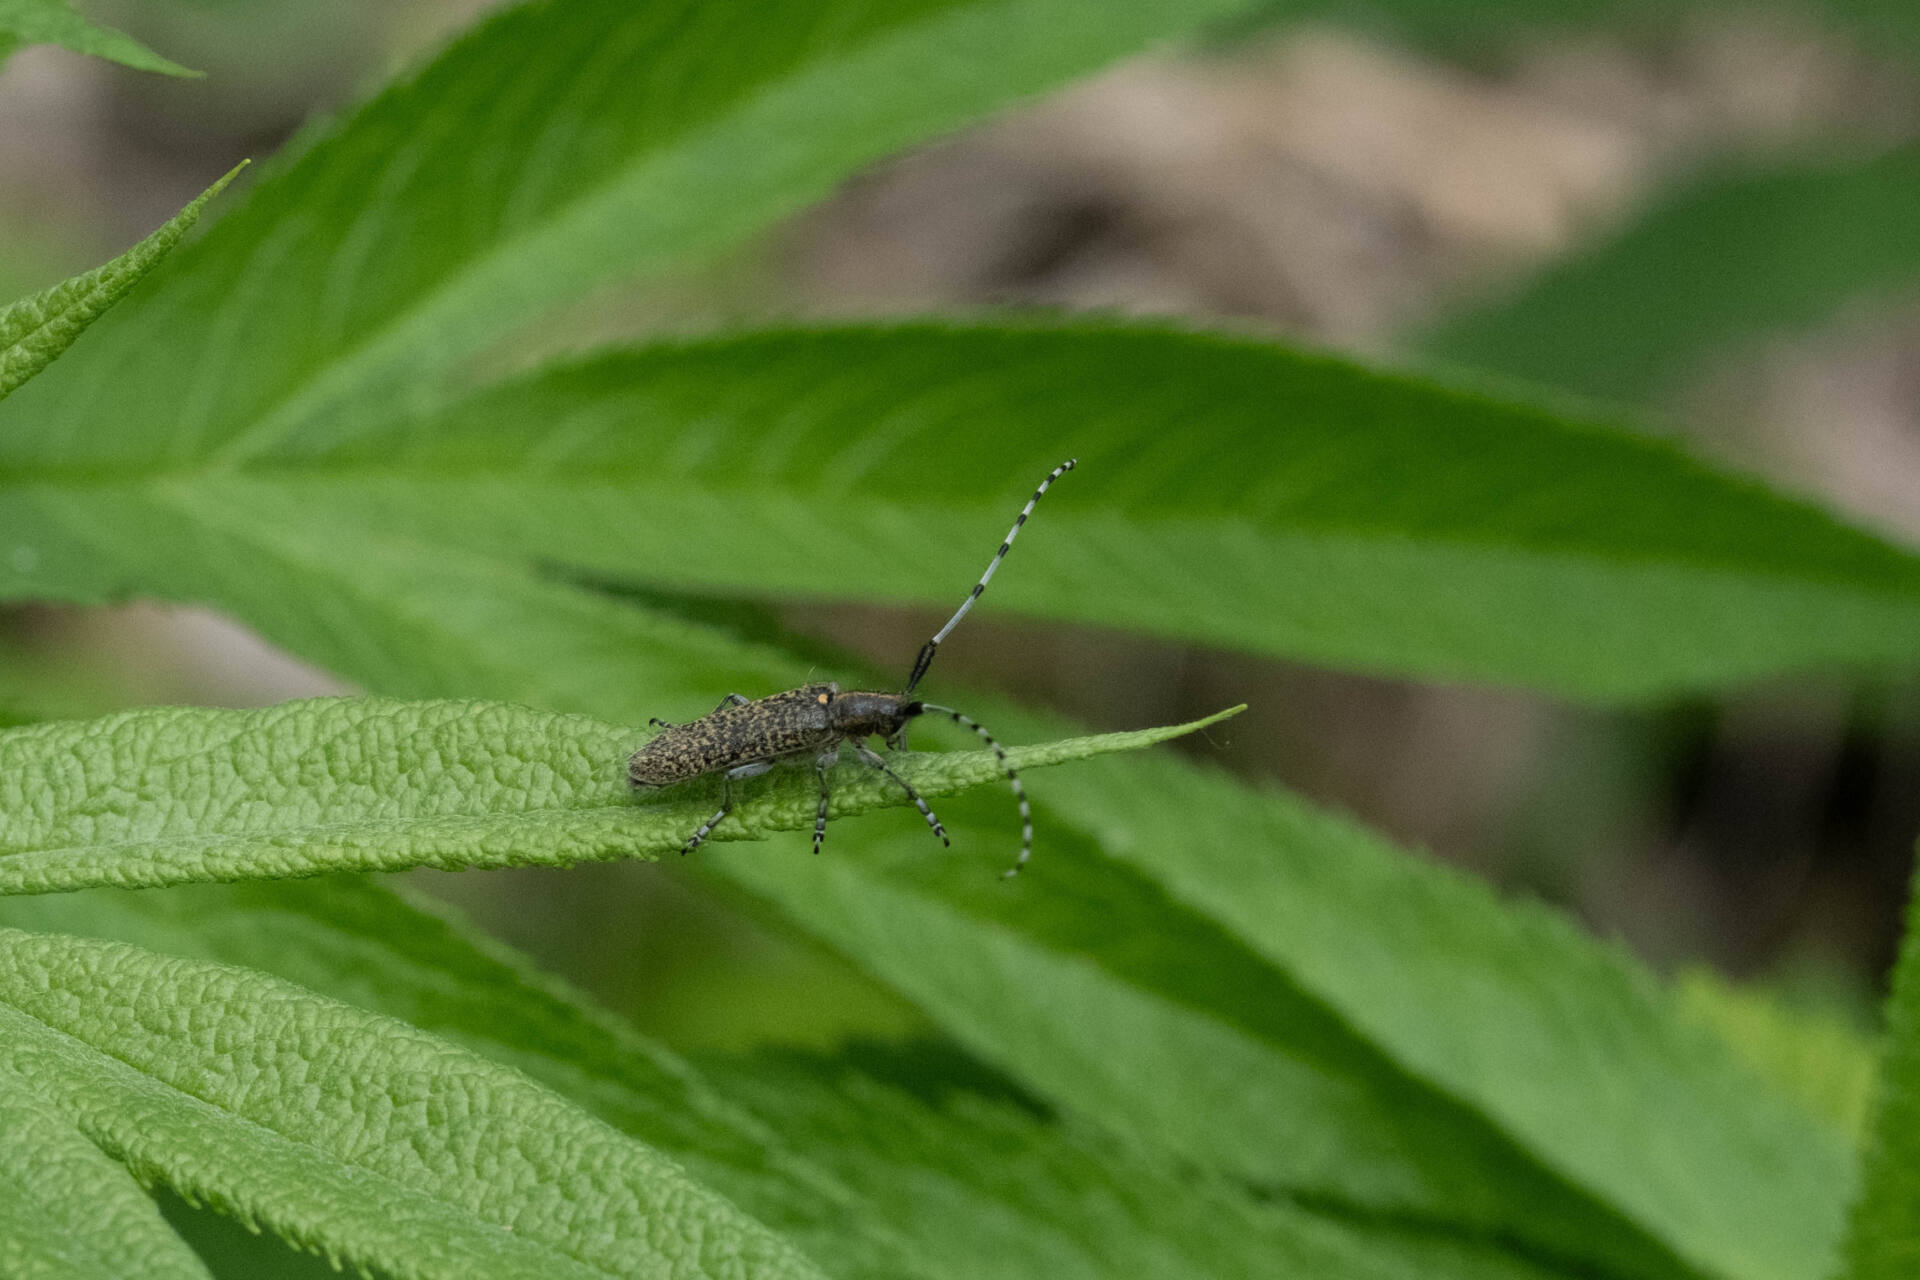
171	484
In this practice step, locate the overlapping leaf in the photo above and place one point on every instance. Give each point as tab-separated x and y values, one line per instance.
869	1179
1564	1044
968	1170
1222	977
1570	1174
67	1211
555	147
336	1127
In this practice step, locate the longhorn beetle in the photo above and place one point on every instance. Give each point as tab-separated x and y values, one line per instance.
743	739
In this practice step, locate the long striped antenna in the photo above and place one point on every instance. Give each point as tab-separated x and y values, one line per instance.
925	660
1019	792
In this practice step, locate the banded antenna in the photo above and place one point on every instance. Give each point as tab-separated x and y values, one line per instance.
925	660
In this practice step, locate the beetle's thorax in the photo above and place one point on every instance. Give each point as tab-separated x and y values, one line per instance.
861	713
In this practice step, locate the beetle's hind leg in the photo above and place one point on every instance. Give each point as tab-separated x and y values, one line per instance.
753	770
731	700
821	763
869	757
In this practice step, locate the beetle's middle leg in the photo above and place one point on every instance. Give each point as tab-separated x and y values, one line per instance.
753	770
870	757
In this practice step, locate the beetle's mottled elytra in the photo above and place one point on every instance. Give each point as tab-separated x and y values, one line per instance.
744	738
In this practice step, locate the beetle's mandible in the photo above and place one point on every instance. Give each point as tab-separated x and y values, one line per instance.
744	738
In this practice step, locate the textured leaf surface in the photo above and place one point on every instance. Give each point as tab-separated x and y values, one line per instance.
557	146
867	1178
1352	1124
176	795
1129	1024
1365	520
347	1132
1884	1240
1728	259
1323	925
67	1211
35	330
357	941
54	22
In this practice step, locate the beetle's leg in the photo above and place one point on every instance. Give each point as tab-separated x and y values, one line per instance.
731	700
821	763
897	740
753	770
867	756
658	723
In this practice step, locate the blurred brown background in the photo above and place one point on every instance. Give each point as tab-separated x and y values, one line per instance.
1335	186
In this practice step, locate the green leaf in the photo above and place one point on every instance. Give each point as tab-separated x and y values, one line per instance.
1093	974
349	1133
969	1170
178	795
358	941
1367	520
1884	1240
1043	980
556	147
1729	258
55	22
1116	1003
66	1209
1815	1059
1365	1120
867	1179
1567	1046
35	330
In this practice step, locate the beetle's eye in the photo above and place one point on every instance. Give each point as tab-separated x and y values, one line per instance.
823	699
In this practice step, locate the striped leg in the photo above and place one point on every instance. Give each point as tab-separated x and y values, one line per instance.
1013	779
726	802
868	757
821	763
693	842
